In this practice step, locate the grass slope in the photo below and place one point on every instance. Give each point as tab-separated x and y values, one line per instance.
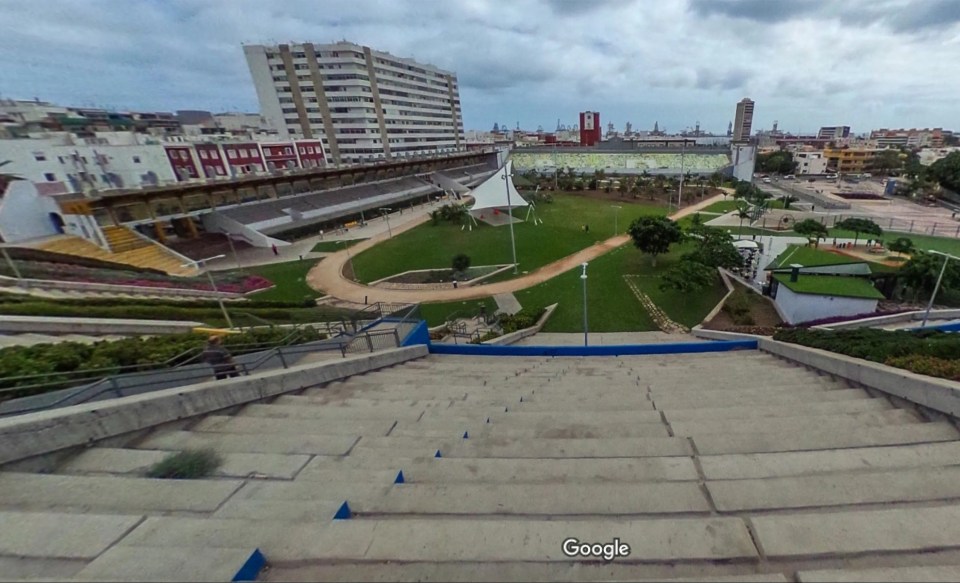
611	305
433	246
289	280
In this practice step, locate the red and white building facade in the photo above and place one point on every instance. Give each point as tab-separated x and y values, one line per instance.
213	160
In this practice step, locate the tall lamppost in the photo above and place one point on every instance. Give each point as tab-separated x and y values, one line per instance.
213	284
513	241
616	219
946	259
683	149
233	250
583	278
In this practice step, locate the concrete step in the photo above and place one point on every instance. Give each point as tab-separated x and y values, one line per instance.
518	416
767	411
247	424
899	485
314	510
715	399
187	563
572	448
805	440
446	540
945	573
823	423
311	411
61	536
836	533
100	460
282	443
800	463
448	470
559	431
42	492
559	499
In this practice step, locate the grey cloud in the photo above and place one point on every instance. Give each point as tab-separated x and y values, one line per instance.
576	7
766	11
723	80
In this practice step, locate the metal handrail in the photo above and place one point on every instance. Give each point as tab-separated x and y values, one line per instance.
172	362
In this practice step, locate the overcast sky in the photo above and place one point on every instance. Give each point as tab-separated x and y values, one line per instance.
864	63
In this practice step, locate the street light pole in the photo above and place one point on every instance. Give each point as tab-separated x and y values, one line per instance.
513	241
683	149
233	250
223	308
583	278
616	219
946	259
386	215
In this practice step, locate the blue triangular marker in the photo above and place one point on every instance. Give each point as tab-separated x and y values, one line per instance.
488	420
399	479
521	398
505	409
344	513
465	435
437	454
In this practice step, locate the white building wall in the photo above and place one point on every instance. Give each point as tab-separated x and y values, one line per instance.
744	157
810	163
266	89
25	214
799	308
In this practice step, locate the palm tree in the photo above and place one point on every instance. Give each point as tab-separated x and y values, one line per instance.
742	213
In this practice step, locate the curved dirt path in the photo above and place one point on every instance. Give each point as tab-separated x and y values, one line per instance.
327	275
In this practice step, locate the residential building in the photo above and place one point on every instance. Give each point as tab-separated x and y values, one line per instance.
362	104
833	132
743	122
851	160
912	138
589	128
810	162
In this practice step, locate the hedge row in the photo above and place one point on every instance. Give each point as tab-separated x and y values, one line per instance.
920	351
128	354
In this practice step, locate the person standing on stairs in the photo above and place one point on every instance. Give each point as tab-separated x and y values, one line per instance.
219	358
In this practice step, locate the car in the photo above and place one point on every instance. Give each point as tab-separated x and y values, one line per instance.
811	179
789	177
867	175
767	181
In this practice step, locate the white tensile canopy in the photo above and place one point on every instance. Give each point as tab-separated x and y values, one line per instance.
491	194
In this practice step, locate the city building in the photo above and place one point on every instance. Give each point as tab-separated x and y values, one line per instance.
850	160
810	162
362	104
912	138
589	128
833	132
743	122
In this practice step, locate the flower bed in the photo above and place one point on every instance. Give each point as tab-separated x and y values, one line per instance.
227	283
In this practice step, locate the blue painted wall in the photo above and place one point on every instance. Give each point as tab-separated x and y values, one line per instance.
610	350
419	335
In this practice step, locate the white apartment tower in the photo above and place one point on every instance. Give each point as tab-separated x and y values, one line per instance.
743	122
361	103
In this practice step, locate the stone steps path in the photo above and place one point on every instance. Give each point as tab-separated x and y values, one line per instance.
713	467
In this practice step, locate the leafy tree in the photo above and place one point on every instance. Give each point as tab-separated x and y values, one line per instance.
776	162
901	245
461	262
946	171
887	161
715	249
654	235
921	272
743	190
688	276
859	226
812	229
696	223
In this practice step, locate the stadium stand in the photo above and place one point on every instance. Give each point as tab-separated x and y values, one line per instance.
654	163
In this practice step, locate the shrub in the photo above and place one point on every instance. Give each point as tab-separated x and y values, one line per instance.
189	464
876	345
461	262
519	321
737	307
928	365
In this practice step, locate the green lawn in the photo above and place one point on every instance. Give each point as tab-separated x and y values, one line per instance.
436	314
289	280
833	285
724	206
433	246
925	242
810	257
332	246
612	307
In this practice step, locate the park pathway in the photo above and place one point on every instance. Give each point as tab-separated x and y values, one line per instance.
660	318
327	276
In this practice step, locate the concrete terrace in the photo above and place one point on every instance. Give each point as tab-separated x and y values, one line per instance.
720	466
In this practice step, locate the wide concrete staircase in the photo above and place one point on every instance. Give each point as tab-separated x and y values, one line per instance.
126	248
722	466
